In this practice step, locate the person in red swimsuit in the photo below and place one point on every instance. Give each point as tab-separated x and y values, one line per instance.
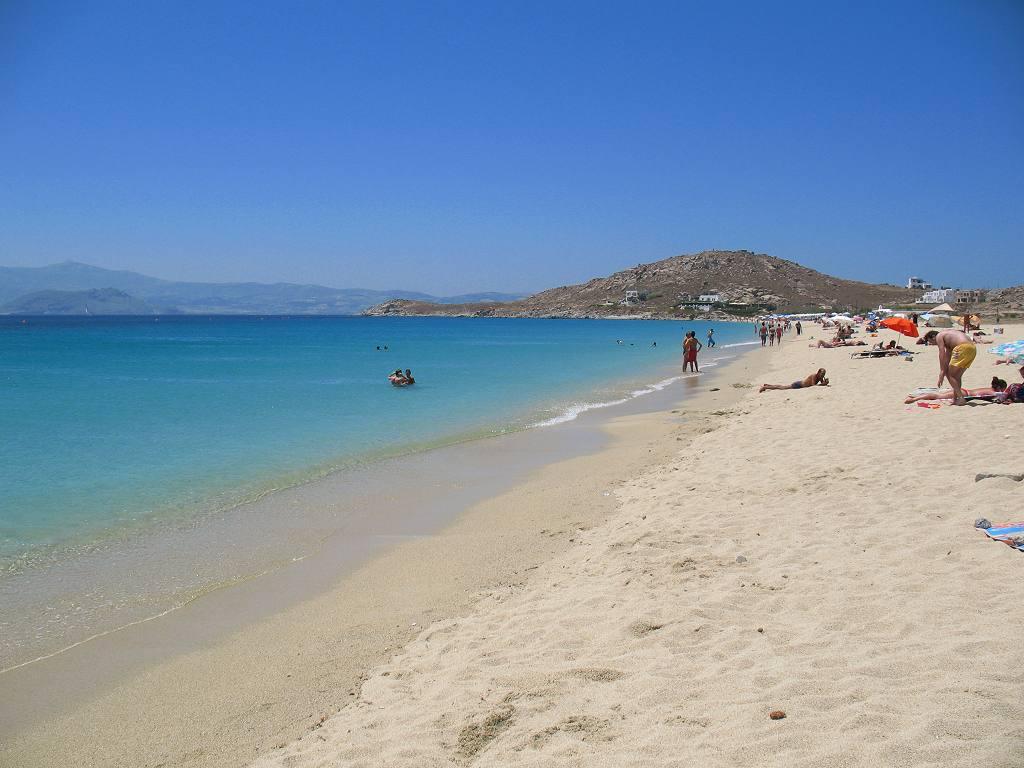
690	348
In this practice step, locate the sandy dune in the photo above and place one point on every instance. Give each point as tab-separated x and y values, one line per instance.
814	554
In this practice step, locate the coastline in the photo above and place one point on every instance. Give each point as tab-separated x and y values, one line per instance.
463	560
814	557
181	516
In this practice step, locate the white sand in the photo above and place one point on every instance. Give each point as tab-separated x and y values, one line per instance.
838	521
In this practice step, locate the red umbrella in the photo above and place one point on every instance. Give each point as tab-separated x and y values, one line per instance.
900	324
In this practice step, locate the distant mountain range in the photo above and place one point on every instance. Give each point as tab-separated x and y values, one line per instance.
72	288
746	283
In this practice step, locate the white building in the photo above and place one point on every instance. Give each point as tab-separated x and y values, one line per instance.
917	284
710	298
938	296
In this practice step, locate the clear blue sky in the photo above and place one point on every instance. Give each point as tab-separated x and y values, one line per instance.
465	146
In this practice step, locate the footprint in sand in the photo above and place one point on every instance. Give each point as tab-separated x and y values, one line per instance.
641	628
597	674
474	737
583	727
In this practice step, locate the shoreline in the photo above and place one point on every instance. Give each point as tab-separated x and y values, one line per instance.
803	586
158	560
93	712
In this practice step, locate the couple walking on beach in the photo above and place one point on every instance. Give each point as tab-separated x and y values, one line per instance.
690	349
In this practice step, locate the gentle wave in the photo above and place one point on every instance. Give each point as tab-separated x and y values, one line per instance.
740	344
573	411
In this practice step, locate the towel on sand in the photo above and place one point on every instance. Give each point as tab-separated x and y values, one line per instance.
1009	533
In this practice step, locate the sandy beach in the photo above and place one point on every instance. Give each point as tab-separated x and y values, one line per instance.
815	554
807	551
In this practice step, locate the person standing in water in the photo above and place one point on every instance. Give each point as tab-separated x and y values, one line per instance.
711	337
690	348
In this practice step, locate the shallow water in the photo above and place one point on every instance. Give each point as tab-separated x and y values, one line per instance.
118	433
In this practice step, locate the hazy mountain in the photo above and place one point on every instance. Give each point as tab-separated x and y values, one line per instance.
211	298
746	280
98	301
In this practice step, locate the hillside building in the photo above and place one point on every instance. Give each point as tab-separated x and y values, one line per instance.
972	296
917	284
938	296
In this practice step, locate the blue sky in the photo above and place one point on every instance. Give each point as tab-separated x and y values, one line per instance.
451	147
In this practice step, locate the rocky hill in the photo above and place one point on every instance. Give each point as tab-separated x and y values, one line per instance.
1009	300
746	282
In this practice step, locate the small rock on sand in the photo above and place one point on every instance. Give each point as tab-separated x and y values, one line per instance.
985	476
776	714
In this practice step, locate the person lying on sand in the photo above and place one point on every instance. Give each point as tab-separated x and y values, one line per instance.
998	387
832	344
815	379
1013	394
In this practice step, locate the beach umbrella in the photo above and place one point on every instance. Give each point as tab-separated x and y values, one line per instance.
1014	350
900	325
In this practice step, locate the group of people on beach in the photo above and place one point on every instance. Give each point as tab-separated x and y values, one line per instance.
957	352
691	347
771	331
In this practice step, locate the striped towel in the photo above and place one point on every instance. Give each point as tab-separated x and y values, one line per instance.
1006	531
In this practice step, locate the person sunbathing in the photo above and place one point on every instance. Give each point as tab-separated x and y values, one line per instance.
1013	394
819	344
997	387
815	379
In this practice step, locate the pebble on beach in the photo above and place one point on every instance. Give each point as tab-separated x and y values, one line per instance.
776	714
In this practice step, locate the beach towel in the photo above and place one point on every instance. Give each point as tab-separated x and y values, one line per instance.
1006	532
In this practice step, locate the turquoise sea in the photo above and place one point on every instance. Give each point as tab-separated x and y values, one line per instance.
117	425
